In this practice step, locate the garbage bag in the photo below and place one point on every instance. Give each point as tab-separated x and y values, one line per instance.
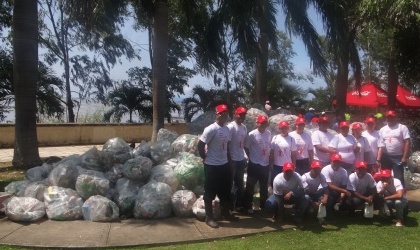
92	160
153	201
92	183
63	204
171	162
138	168
72	160
165	174
200	212
143	149
115	150
186	143
197	126
189	171
24	209
413	162
182	203
166	135
100	209
14	187
34	190
65	176
368	211
161	151
125	195
115	174
38	173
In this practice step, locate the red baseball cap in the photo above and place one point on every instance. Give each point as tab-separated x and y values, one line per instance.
370	120
240	110
316	164
283	124
356	126
336	157
361	164
262	119
324	119
288	166
300	120
390	113
315	120
386	173
221	108
344	124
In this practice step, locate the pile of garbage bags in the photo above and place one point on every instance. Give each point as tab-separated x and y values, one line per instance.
118	182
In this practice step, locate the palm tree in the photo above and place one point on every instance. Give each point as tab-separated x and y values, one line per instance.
25	71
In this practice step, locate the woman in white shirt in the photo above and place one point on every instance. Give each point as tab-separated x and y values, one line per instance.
304	147
362	142
346	145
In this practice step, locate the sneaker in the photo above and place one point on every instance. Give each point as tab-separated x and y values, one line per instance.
212	223
399	223
250	211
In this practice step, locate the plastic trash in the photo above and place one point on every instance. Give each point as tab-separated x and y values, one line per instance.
38	173
92	159
189	171
200	212
34	190
115	150
138	168
125	195
92	183
143	149
153	201
182	203
186	143
100	209
24	209
322	211
368	211
114	174
161	151
166	135
165	174
14	187
63	204
65	176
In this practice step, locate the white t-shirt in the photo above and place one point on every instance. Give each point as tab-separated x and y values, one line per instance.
339	178
391	189
344	146
259	146
238	134
314	184
303	144
281	186
364	148
373	140
323	139
392	138
282	148
360	185
216	137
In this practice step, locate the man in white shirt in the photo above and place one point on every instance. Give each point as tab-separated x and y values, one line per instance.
257	148
362	187
392	192
362	142
289	189
372	137
316	185
336	178
218	176
394	146
237	155
304	146
321	138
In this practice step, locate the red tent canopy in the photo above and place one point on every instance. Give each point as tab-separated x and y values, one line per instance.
370	95
406	99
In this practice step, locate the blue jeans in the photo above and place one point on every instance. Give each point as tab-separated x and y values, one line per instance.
301	204
274	172
393	162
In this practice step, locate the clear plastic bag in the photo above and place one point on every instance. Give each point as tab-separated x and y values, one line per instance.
34	190
63	204
24	209
126	191
186	143
368	211
138	168
92	159
166	135
165	174
386	210
182	203
200	212
189	171
100	209
92	183
143	149
153	201
161	151
65	176
38	173
115	150
15	187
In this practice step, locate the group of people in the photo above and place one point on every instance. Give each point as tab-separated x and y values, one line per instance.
338	171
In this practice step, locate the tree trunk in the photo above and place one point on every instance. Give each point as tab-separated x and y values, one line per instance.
25	73
69	101
159	65
342	81
392	80
261	66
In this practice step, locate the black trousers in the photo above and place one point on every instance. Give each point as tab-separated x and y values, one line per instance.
218	181
256	173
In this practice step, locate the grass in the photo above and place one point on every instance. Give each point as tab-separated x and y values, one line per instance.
342	232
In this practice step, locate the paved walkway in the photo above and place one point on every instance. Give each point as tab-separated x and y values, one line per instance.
85	234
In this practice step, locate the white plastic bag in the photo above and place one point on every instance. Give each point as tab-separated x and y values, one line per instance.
322	211
368	213
386	209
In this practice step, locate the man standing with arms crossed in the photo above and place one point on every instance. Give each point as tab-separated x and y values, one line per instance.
238	133
218	175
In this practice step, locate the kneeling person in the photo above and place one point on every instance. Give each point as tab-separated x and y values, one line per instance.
316	189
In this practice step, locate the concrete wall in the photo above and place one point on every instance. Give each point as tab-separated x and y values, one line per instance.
86	134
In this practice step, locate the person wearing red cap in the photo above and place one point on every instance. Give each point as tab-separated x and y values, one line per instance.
283	149
336	178
346	145
316	185
237	155
217	173
362	142
394	145
289	189
392	192
362	187
321	138
257	148
372	137
304	147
